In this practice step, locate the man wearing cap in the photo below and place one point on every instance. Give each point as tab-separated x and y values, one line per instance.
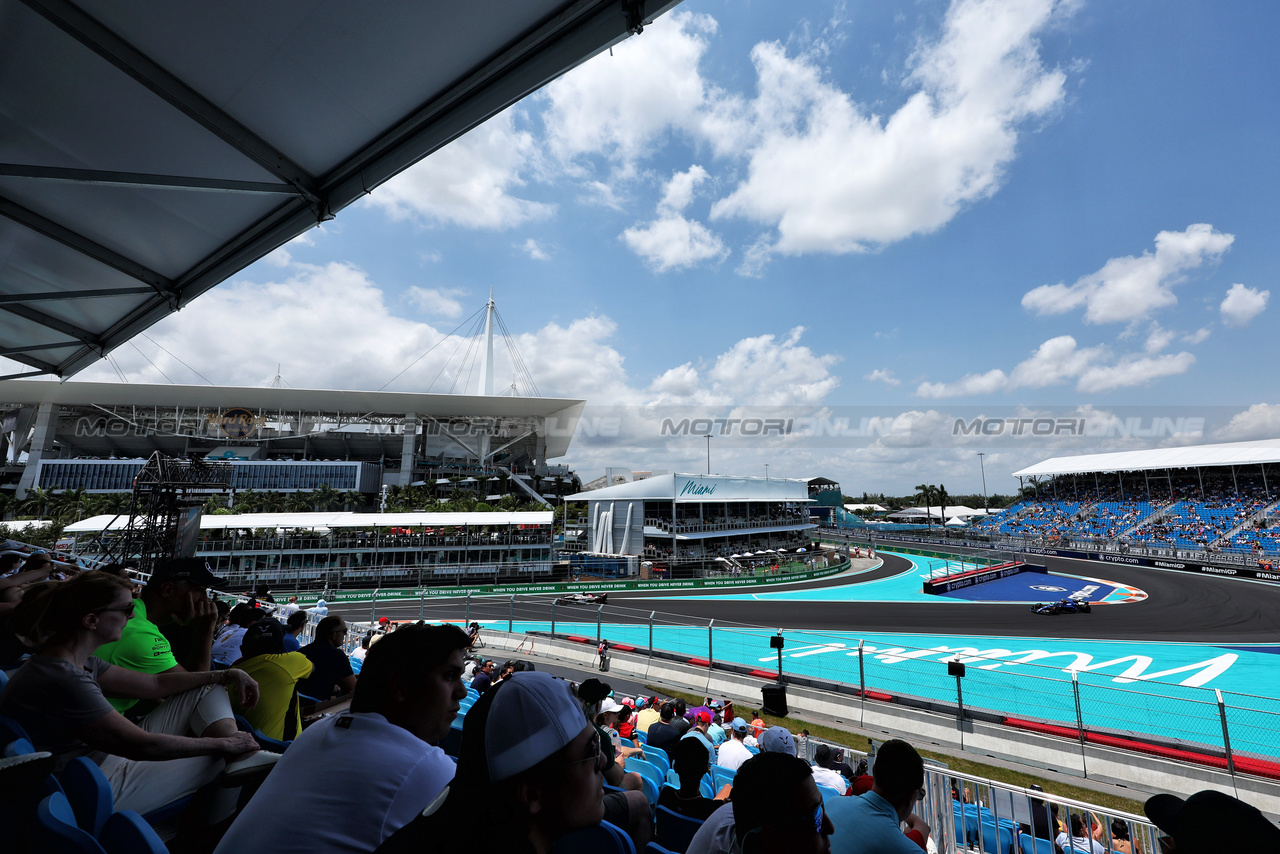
824	774
871	823
776	809
664	733
277	714
701	723
734	751
778	739
176	595
354	779
649	714
1209	822
715	732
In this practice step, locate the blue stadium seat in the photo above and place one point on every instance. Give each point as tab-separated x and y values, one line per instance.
658	757
266	742
11	730
655	848
89	794
57	831
1033	845
602	838
721	777
126	833
647	770
676	831
828	792
18	747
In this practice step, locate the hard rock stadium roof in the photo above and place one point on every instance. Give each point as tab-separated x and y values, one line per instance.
1198	456
150	150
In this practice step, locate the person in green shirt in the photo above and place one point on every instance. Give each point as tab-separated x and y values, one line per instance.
177	594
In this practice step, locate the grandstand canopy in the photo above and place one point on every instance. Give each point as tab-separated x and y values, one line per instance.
255	521
150	150
697	488
1199	456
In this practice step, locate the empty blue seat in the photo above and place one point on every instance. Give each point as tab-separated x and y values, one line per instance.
57	830
126	833
721	777
602	838
18	747
89	794
658	757
1034	845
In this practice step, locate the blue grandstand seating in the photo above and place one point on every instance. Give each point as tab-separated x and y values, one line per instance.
57	829
675	831
603	838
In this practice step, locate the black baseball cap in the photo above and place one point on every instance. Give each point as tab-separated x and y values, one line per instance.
1197	824
191	569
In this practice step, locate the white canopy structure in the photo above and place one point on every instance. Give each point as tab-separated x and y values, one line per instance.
152	150
305	521
1198	456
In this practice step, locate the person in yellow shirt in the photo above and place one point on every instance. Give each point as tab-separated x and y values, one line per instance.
277	673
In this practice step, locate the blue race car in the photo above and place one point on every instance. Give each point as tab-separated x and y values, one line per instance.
1062	606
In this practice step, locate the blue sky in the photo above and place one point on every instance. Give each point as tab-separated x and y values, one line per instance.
1000	206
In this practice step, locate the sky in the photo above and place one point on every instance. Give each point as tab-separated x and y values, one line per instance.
872	219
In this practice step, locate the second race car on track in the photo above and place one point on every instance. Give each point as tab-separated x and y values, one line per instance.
1062	606
584	599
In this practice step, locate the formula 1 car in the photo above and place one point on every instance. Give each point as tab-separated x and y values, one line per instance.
584	599
1063	606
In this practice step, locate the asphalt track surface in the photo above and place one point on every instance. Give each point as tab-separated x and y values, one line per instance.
1180	607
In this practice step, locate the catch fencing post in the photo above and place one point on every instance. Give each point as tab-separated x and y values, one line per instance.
373	609
511	614
711	659
1226	741
1075	690
468	608
651	613
553	618
862	683
599	619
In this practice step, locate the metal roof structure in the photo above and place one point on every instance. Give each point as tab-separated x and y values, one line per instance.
151	150
699	488
1198	456
258	521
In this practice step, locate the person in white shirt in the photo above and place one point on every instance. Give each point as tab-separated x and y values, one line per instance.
734	751
226	645
382	750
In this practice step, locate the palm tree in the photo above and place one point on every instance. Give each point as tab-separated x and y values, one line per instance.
941	494
327	498
925	491
353	499
270	502
37	502
300	502
8	504
70	504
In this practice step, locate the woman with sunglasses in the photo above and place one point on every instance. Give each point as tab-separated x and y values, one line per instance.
59	698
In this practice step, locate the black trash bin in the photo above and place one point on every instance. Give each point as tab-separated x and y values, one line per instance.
773	700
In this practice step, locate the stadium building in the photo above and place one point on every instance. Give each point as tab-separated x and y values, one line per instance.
96	436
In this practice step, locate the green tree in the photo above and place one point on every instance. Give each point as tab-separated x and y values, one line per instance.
925	492
37	502
327	498
300	502
353	499
940	494
271	502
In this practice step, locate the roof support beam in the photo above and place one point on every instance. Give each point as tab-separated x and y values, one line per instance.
97	293
9	351
143	179
84	336
32	220
24	375
90	32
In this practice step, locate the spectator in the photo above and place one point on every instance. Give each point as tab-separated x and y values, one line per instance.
650	714
484	678
757	725
626	722
226	642
262	593
1209	821
295	623
715	732
320	609
734	751
628	809
701	723
824	774
288	609
364	774
1120	841
332	672
663	734
872	821
366	642
176	595
690	763
777	739
473	635
1079	836
528	757
9	562
776	809
57	696
277	714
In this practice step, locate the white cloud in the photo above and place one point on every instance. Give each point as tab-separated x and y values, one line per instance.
883	375
1131	288
968	385
620	103
470	182
834	178
1260	421
1061	360
672	241
1243	304
535	251
1159	338
1134	370
436	301
1198	336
